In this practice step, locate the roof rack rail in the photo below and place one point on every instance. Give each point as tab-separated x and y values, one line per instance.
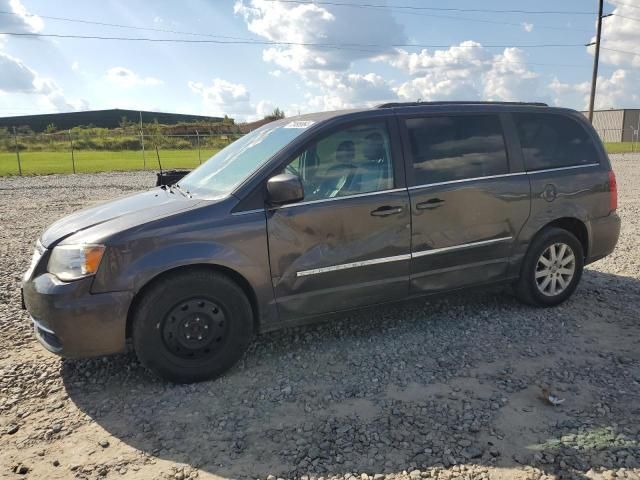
457	102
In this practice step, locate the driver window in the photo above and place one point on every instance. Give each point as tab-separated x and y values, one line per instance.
354	160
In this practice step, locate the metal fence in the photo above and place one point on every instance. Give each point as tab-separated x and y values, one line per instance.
98	150
620	140
95	150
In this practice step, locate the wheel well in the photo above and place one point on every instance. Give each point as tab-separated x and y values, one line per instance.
232	274
575	226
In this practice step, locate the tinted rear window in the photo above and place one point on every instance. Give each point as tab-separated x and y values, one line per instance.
457	147
553	141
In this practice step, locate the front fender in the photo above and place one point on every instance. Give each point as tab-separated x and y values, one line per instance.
239	245
135	272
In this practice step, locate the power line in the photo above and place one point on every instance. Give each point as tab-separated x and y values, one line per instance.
447	9
117	25
164	30
626	52
269	42
494	22
634	19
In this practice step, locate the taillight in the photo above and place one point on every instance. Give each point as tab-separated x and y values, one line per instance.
613	191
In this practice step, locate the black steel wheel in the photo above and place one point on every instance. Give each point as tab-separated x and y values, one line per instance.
194	328
192	325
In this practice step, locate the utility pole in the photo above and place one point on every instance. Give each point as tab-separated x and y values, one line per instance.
596	58
15	137
144	159
198	138
73	158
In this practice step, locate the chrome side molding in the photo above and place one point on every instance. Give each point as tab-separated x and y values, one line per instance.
345	266
397	258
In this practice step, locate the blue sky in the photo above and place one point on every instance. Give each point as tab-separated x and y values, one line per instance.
39	75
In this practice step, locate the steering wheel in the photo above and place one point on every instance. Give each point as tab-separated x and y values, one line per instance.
292	170
331	187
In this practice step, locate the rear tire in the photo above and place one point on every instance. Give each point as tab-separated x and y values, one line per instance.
192	326
551	269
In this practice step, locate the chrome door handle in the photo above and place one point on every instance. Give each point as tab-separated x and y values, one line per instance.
386	211
430	204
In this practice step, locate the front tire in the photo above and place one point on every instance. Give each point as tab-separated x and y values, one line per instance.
192	326
551	269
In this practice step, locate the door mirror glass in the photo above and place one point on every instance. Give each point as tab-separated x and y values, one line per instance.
285	188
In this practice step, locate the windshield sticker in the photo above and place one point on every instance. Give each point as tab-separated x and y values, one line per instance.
299	124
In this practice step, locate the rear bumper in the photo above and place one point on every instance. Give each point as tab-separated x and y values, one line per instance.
71	321
605	232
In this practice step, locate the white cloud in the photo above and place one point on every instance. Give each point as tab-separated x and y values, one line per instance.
262	109
347	90
467	71
223	97
16	76
508	79
458	60
57	101
430	88
622	34
463	71
561	88
319	24
20	20
126	78
75	66
619	89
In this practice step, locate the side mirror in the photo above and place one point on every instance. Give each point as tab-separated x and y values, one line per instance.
285	188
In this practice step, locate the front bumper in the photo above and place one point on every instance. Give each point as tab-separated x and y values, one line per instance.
71	321
604	235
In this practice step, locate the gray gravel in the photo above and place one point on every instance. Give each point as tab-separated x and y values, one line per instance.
438	388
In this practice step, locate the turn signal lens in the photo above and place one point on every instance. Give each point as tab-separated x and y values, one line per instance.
92	256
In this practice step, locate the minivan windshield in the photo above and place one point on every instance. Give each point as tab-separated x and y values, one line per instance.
228	168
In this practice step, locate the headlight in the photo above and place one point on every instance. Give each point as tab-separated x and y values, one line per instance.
71	262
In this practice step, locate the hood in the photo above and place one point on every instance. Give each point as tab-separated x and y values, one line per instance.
135	209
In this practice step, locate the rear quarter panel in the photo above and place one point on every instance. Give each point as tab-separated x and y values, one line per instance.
580	193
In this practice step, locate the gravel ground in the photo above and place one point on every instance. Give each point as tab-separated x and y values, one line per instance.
439	388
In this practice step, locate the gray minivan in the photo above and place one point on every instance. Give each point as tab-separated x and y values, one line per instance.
323	213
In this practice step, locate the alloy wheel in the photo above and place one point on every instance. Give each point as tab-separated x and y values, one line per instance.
555	269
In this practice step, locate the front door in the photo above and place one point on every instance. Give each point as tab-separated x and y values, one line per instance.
469	200
347	244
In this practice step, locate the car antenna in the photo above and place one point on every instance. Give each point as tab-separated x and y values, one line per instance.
158	157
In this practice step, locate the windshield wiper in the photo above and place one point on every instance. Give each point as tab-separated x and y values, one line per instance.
184	192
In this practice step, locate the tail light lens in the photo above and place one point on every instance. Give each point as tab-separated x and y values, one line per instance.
613	191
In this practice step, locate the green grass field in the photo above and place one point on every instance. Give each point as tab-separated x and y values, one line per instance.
86	161
622	147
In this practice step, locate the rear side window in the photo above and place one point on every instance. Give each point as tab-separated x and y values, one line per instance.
553	141
455	148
